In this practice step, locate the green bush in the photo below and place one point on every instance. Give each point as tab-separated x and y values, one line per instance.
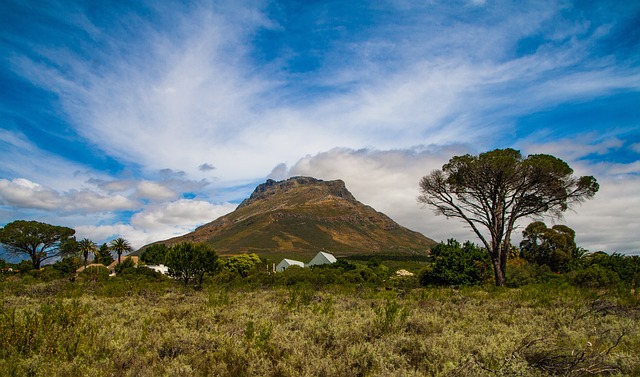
595	276
456	264
155	254
94	273
125	265
521	272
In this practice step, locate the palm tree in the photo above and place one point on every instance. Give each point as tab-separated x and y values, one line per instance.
120	245
86	246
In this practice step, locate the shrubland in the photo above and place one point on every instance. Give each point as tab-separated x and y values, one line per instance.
348	319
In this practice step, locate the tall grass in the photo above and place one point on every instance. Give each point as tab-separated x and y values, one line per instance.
142	328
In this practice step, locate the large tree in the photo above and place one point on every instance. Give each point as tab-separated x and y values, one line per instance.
38	241
120	246
492	191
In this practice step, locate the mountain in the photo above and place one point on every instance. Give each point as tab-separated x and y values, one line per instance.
299	217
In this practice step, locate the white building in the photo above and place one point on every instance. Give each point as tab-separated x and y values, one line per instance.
161	268
286	263
322	258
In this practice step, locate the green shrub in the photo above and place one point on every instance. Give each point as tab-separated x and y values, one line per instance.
155	254
521	272
94	273
595	276
456	264
125	265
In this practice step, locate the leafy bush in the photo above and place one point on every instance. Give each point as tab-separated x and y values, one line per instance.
595	276
456	264
68	266
189	262
521	272
125	265
242	265
155	254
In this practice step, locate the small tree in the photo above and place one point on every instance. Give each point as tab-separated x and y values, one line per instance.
492	191
120	246
155	254
38	241
554	247
242	264
456	264
103	255
189	262
86	247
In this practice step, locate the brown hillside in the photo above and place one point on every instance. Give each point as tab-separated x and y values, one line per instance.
300	216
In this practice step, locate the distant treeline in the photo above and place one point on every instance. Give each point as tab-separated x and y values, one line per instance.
388	257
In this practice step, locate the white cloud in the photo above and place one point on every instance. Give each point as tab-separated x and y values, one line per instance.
158	222
182	213
153	190
23	193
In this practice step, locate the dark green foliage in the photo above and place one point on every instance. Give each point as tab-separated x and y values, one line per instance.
67	266
126	264
554	247
607	270
189	262
120	246
456	264
38	241
86	247
595	276
155	254
103	255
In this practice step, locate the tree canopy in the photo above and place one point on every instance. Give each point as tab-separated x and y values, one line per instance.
492	191
39	241
103	255
554	247
86	247
120	246
189	262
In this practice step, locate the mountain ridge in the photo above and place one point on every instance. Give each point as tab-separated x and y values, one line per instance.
300	216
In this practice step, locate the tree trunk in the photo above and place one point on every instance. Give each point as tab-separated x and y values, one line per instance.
499	266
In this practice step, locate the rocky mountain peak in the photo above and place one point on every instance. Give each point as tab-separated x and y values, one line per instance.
271	188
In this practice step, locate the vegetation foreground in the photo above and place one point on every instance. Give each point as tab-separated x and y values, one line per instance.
129	327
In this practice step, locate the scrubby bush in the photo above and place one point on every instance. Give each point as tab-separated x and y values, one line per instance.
595	276
125	265
456	264
67	266
94	273
520	272
243	264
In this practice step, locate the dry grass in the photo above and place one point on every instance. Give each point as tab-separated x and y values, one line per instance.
70	329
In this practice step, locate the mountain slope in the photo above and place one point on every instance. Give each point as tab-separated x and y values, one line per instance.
302	215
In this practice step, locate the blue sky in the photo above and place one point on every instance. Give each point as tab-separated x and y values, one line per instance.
147	119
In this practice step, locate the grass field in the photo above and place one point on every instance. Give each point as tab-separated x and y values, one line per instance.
139	328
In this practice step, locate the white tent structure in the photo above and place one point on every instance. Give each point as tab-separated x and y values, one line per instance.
286	263
322	258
